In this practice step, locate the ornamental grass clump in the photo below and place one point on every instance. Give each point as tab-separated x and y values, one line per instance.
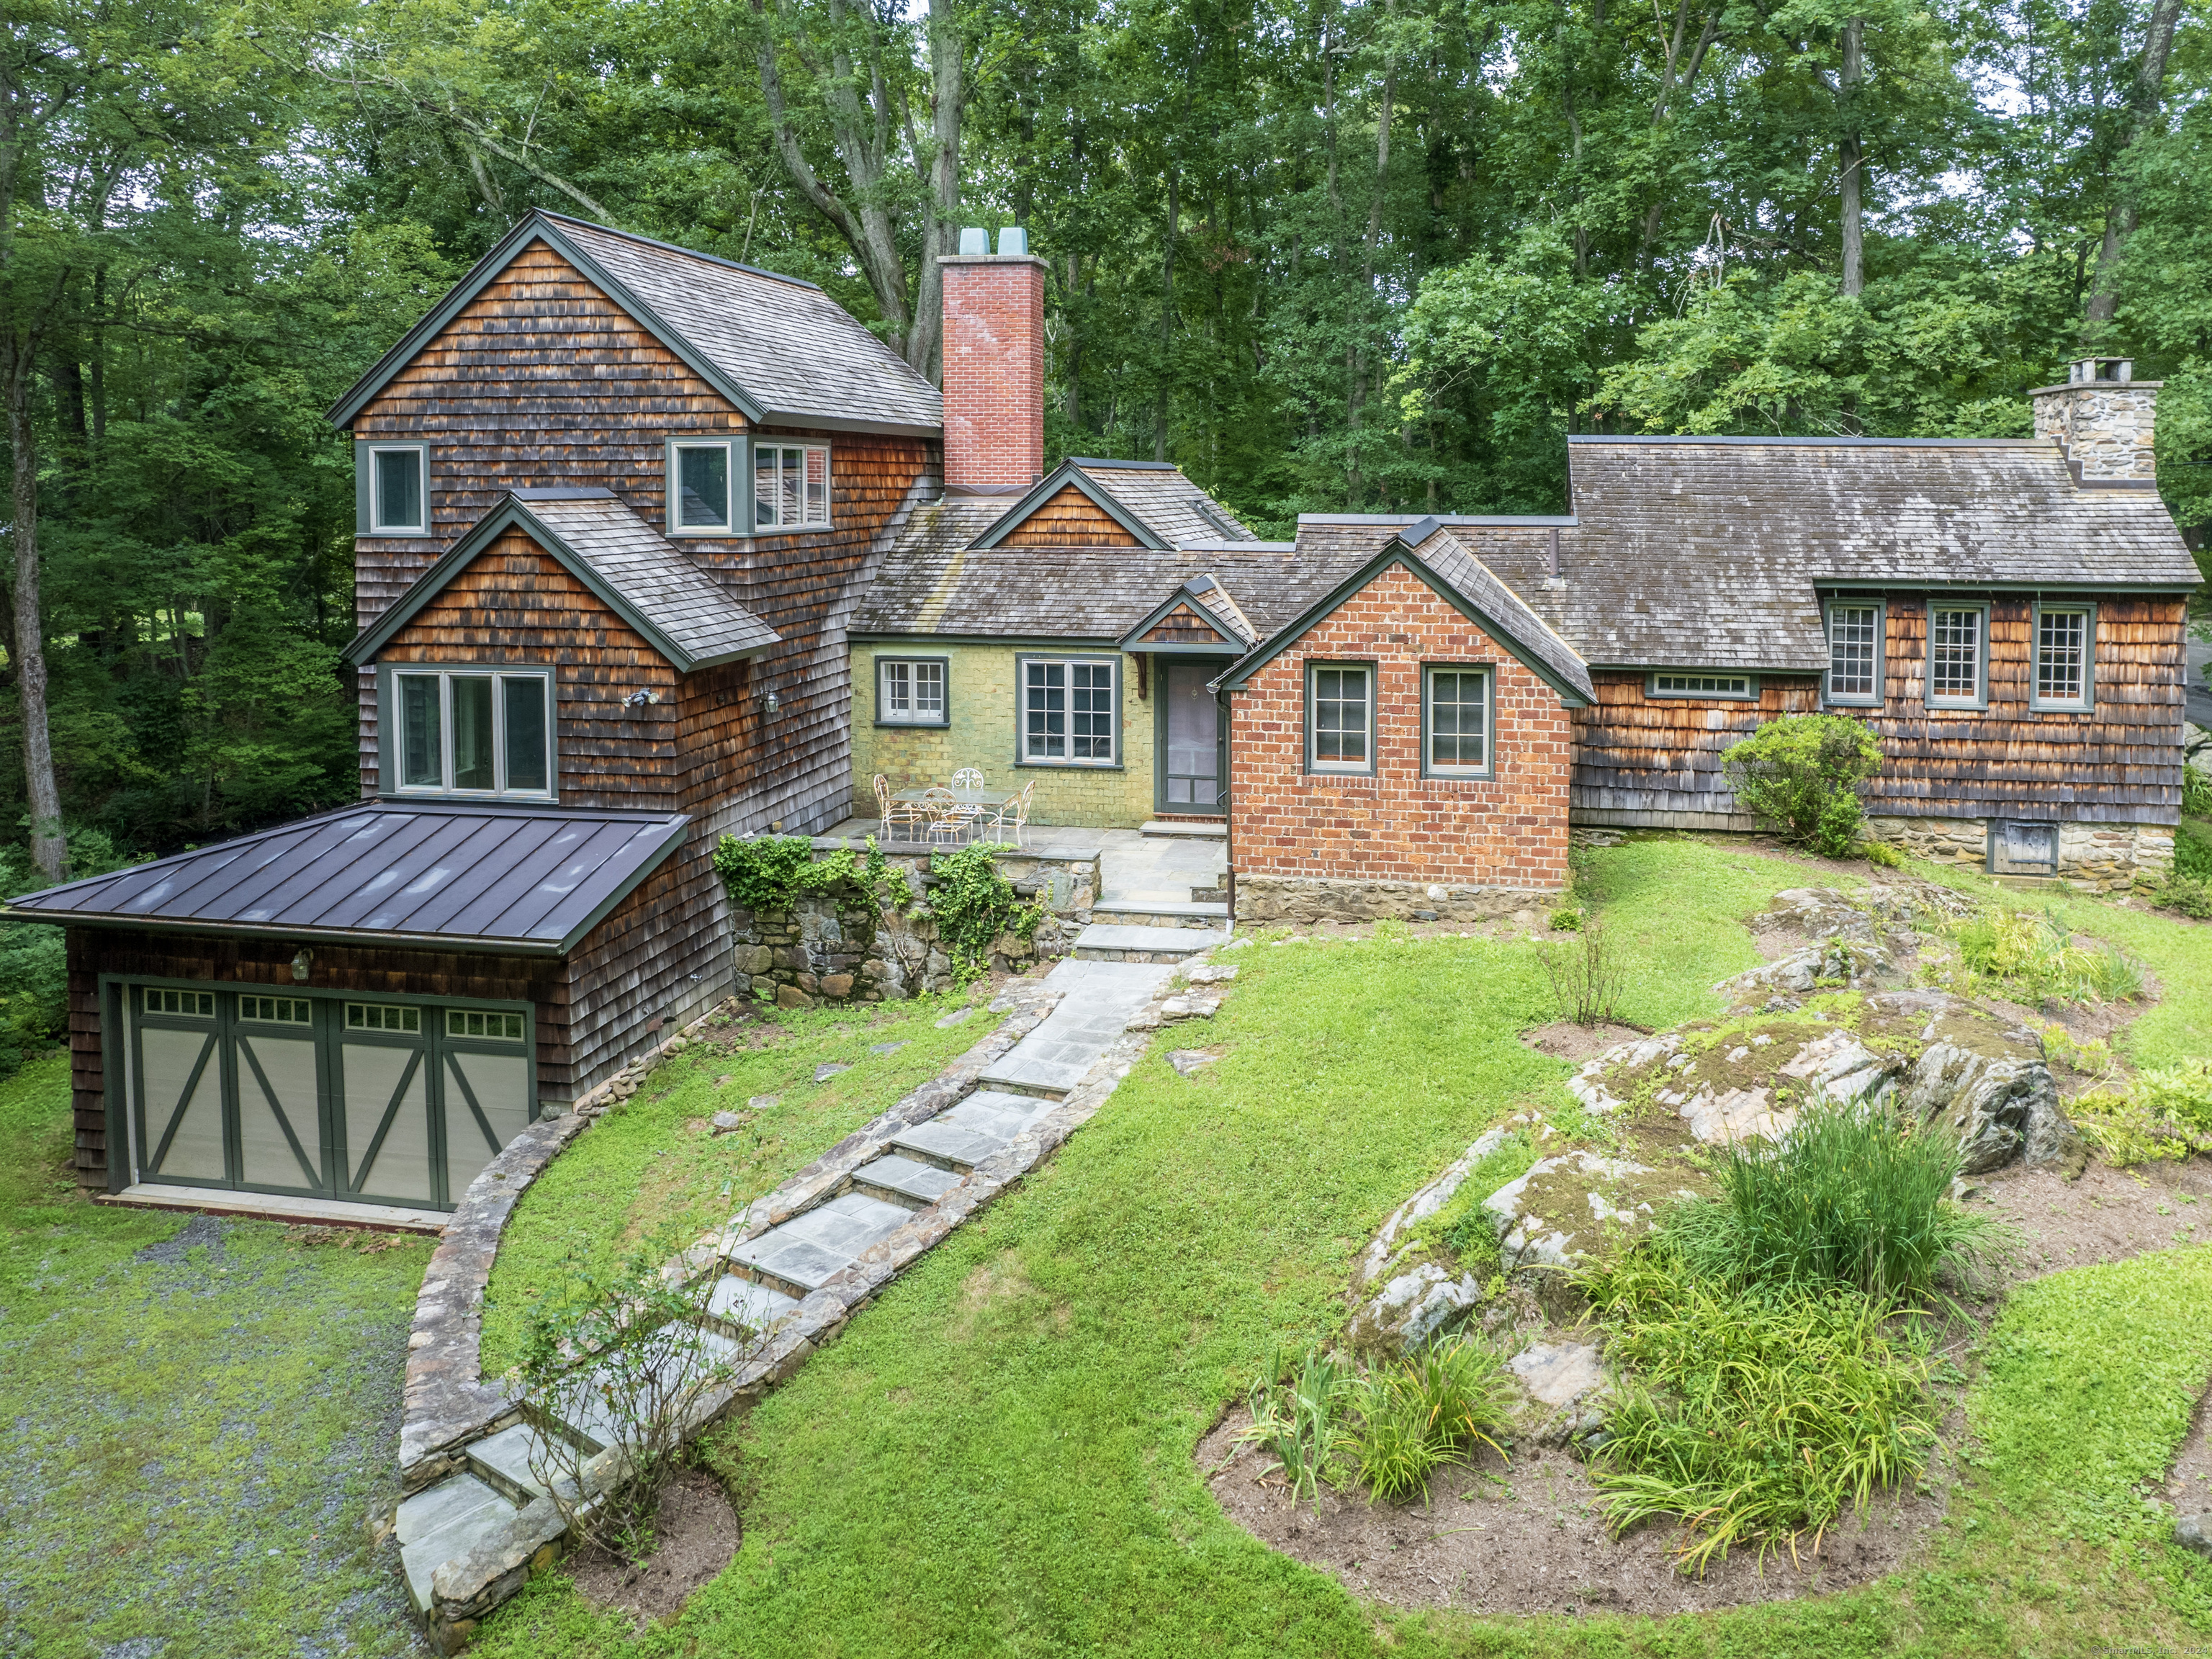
1851	1197
1298	1412
2034	959
1754	1416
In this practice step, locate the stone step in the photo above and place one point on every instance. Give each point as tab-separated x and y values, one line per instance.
898	1179
1097	1001
509	1461
579	1411
1159	912
442	1521
800	1254
946	1145
1105	942
739	1307
1196	829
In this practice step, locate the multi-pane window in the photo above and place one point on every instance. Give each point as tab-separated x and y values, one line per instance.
483	731
198	1004
471	1023
281	1011
1459	720
1854	652
699	484
396	492
791	486
910	692
2062	657
1954	653
1067	710
1701	686
382	1017
1342	718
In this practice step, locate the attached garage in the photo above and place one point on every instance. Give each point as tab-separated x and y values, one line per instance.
362	1009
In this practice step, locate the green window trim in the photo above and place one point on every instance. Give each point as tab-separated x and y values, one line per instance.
2087	701
1486	673
508	697
367	481
1878	661
1071	716
1702	684
1938	606
917	690
1324	693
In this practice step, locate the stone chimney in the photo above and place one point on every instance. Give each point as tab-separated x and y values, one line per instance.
994	364
2102	419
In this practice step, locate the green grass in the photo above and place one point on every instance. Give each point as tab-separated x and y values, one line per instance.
649	1168
192	1446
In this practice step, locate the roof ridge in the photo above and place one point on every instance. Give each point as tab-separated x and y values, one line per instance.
1469	554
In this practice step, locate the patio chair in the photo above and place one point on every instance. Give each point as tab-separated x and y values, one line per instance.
947	820
1014	816
968	777
903	819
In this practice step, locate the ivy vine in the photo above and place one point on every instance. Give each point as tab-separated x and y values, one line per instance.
973	902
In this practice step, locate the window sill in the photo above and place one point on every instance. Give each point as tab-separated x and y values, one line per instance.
463	798
1935	707
1070	766
391	535
914	726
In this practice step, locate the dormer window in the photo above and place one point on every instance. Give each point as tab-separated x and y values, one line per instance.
791	486
470	732
702	478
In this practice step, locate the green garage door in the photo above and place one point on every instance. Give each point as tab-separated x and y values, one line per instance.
374	1101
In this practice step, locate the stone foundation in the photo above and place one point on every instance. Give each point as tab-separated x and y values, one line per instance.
2105	858
839	947
1320	898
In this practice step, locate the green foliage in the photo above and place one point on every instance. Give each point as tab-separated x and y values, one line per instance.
1802	774
972	904
1586	973
33	961
2195	795
1566	919
1417	1413
1883	856
2033	958
2164	1112
1299	1410
1850	1198
1461	1226
2192	843
1754	1415
2184	895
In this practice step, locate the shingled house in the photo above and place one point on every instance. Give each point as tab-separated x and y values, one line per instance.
652	547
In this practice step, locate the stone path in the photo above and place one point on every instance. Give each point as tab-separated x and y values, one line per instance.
790	1268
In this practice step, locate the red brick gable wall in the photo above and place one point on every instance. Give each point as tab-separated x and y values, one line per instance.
1510	831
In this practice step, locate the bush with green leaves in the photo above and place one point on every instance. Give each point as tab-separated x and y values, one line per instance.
972	904
2165	1112
1850	1198
2196	791
1802	774
2034	958
33	960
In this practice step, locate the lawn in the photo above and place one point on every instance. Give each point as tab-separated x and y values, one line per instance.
199	1416
995	1459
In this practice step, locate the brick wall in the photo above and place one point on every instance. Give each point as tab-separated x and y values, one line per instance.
980	681
994	371
1510	831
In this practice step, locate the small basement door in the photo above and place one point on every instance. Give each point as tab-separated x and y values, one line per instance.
323	1096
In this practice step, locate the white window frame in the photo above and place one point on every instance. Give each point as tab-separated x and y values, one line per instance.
887	710
1856	602
2087	700
1430	767
375	494
1719	685
808	519
736	507
1338	769
1022	755
446	673
1950	699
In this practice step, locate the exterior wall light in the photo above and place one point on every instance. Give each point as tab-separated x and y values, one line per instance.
769	705
642	699
300	965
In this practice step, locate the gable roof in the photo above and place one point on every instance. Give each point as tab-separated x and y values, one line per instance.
781	349
1209	603
526	880
1432	553
1068	476
634	571
1151	500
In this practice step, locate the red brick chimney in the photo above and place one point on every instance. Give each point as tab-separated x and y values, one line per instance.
994	364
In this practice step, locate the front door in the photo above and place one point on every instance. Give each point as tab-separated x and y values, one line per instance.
1194	747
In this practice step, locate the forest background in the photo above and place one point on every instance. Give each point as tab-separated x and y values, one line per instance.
1326	254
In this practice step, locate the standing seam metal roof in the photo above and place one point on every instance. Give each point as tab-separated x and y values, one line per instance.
530	879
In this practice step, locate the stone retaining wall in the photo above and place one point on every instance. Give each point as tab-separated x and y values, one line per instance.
1320	898
2101	857
840	947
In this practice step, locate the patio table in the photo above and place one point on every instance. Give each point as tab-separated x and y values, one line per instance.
991	800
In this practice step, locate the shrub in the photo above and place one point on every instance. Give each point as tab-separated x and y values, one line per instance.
2184	895
1848	1199
2196	791
33	957
972	904
2035	957
1567	921
2163	1113
1754	1415
1882	855
1802	774
1586	979
1298	1413
1420	1413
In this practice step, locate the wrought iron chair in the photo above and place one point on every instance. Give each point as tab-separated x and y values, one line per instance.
947	819
968	777
1013	816
903	819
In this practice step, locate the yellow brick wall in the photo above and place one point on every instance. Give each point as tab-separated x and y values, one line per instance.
980	687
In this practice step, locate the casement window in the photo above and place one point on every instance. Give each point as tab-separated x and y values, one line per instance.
1855	641
703	486
392	492
1339	717
910	691
471	731
1674	683
1958	655
1070	710
2065	657
1456	722
791	486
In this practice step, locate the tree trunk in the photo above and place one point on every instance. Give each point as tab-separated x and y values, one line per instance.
18	359
1852	158
2143	99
